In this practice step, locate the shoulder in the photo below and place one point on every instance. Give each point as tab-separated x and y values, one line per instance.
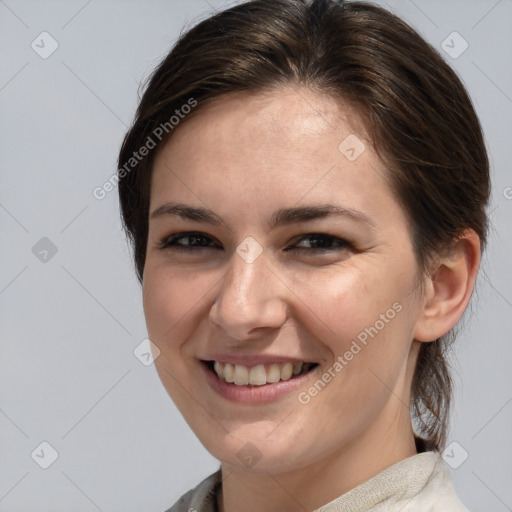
438	493
419	483
202	498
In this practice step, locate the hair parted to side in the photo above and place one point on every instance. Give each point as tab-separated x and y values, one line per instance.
417	112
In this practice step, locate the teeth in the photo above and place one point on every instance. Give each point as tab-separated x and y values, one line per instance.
274	373
241	375
218	369
228	372
258	375
286	371
297	368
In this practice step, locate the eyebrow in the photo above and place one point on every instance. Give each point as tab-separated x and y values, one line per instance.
281	217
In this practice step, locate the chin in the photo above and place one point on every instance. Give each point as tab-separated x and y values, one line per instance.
250	448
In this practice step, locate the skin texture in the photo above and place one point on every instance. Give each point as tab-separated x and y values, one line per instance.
245	156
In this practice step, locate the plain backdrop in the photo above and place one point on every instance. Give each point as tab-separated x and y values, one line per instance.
71	312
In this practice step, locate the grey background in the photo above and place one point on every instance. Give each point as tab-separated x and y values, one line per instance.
69	325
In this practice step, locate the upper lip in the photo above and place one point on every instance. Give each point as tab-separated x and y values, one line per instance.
253	360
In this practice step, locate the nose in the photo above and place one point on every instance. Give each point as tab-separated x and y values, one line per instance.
250	301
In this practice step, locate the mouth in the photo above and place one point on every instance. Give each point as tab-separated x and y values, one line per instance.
258	375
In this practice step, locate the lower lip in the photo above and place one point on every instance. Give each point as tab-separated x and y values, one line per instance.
254	394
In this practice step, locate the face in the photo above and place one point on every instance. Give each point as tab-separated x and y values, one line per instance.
270	245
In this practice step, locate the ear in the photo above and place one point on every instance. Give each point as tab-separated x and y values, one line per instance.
449	287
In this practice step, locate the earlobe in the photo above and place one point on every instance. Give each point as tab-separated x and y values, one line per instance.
449	288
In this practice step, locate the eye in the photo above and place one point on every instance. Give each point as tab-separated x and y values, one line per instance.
320	242
196	241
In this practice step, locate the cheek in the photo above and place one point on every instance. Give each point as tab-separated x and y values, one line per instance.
340	305
364	320
170	300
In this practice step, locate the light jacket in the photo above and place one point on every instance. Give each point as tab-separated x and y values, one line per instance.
421	483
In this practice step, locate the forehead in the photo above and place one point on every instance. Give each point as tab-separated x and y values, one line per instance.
273	147
290	112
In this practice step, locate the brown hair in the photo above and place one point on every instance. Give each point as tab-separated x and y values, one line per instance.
418	114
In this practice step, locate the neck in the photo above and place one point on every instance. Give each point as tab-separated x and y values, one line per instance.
387	441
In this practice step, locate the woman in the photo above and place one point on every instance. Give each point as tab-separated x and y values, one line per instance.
305	186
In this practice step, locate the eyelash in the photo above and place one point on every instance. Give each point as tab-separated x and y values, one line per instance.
170	243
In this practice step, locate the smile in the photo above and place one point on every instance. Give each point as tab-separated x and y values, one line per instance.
259	375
